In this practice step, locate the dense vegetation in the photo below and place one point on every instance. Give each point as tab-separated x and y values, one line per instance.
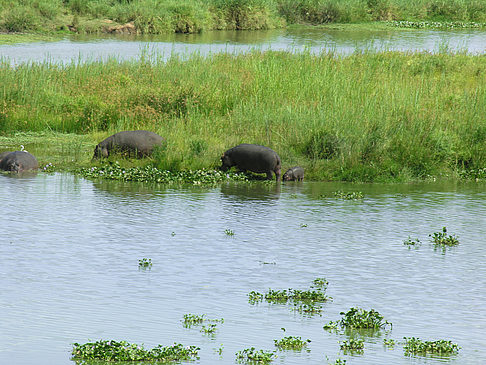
190	16
369	116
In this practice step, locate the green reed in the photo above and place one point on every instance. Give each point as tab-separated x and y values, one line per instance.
369	116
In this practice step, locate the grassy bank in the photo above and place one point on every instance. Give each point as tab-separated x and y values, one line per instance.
191	16
366	117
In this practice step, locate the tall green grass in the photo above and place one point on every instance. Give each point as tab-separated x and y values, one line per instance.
192	16
365	117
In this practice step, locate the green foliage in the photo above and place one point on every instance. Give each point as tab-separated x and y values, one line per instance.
354	195
209	329
291	343
145	263
410	242
190	320
124	351
352	345
388	342
442	239
359	318
229	232
415	346
254	356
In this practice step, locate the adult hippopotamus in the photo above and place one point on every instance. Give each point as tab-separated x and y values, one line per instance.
252	157
18	161
295	173
137	143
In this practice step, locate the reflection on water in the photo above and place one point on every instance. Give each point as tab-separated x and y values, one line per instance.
70	248
315	40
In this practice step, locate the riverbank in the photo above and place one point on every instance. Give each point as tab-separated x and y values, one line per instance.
365	117
193	16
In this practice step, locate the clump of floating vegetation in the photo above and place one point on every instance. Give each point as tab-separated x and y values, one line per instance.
476	174
353	345
190	320
154	175
389	342
229	232
109	350
291	343
442	239
412	242
304	301
254	356
415	346
210	329
145	263
359	318
354	195
436	25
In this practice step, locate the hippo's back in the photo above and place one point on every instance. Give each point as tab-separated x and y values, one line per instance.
18	161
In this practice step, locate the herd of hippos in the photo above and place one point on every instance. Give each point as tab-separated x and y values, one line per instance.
140	143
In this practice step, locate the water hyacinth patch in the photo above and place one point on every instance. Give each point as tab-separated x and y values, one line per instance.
210	329
442	239
291	343
109	350
190	320
415	346
152	174
145	263
352	346
359	318
412	243
388	342
355	195
436	25
254	356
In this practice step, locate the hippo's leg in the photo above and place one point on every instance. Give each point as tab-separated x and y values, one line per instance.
269	175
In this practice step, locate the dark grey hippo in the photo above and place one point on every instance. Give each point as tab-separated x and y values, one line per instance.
294	174
18	161
137	143
252	157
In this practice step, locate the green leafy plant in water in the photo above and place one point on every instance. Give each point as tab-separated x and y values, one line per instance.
320	283
145	263
352	345
209	329
355	195
190	320
229	232
359	318
441	238
388	342
254	356
255	297
109	350
308	309
291	343
415	346
412	243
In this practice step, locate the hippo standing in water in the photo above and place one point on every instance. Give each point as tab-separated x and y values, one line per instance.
252	157
294	174
18	161
138	143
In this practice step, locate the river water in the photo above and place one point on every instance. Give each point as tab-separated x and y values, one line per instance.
315	40
70	251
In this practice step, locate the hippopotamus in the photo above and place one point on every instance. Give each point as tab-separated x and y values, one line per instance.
139	143
252	157
295	173
18	161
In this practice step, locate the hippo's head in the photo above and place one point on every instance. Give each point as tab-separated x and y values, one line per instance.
100	152
288	176
226	162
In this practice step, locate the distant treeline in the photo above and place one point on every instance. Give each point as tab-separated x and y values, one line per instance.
192	16
364	117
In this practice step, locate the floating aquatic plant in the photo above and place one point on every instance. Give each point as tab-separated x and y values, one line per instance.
209	329
359	318
412	243
415	346
229	232
352	345
355	195
441	238
388	342
254	356
145	263
109	350
291	343
308	308
190	320
436	25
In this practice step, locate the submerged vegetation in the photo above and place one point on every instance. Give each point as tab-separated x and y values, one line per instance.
125	351
193	16
365	117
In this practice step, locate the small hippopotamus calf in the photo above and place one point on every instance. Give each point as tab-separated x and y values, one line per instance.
252	157
294	174
18	161
138	143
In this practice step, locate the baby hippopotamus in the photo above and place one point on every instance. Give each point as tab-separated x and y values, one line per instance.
294	174
18	161
138	143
